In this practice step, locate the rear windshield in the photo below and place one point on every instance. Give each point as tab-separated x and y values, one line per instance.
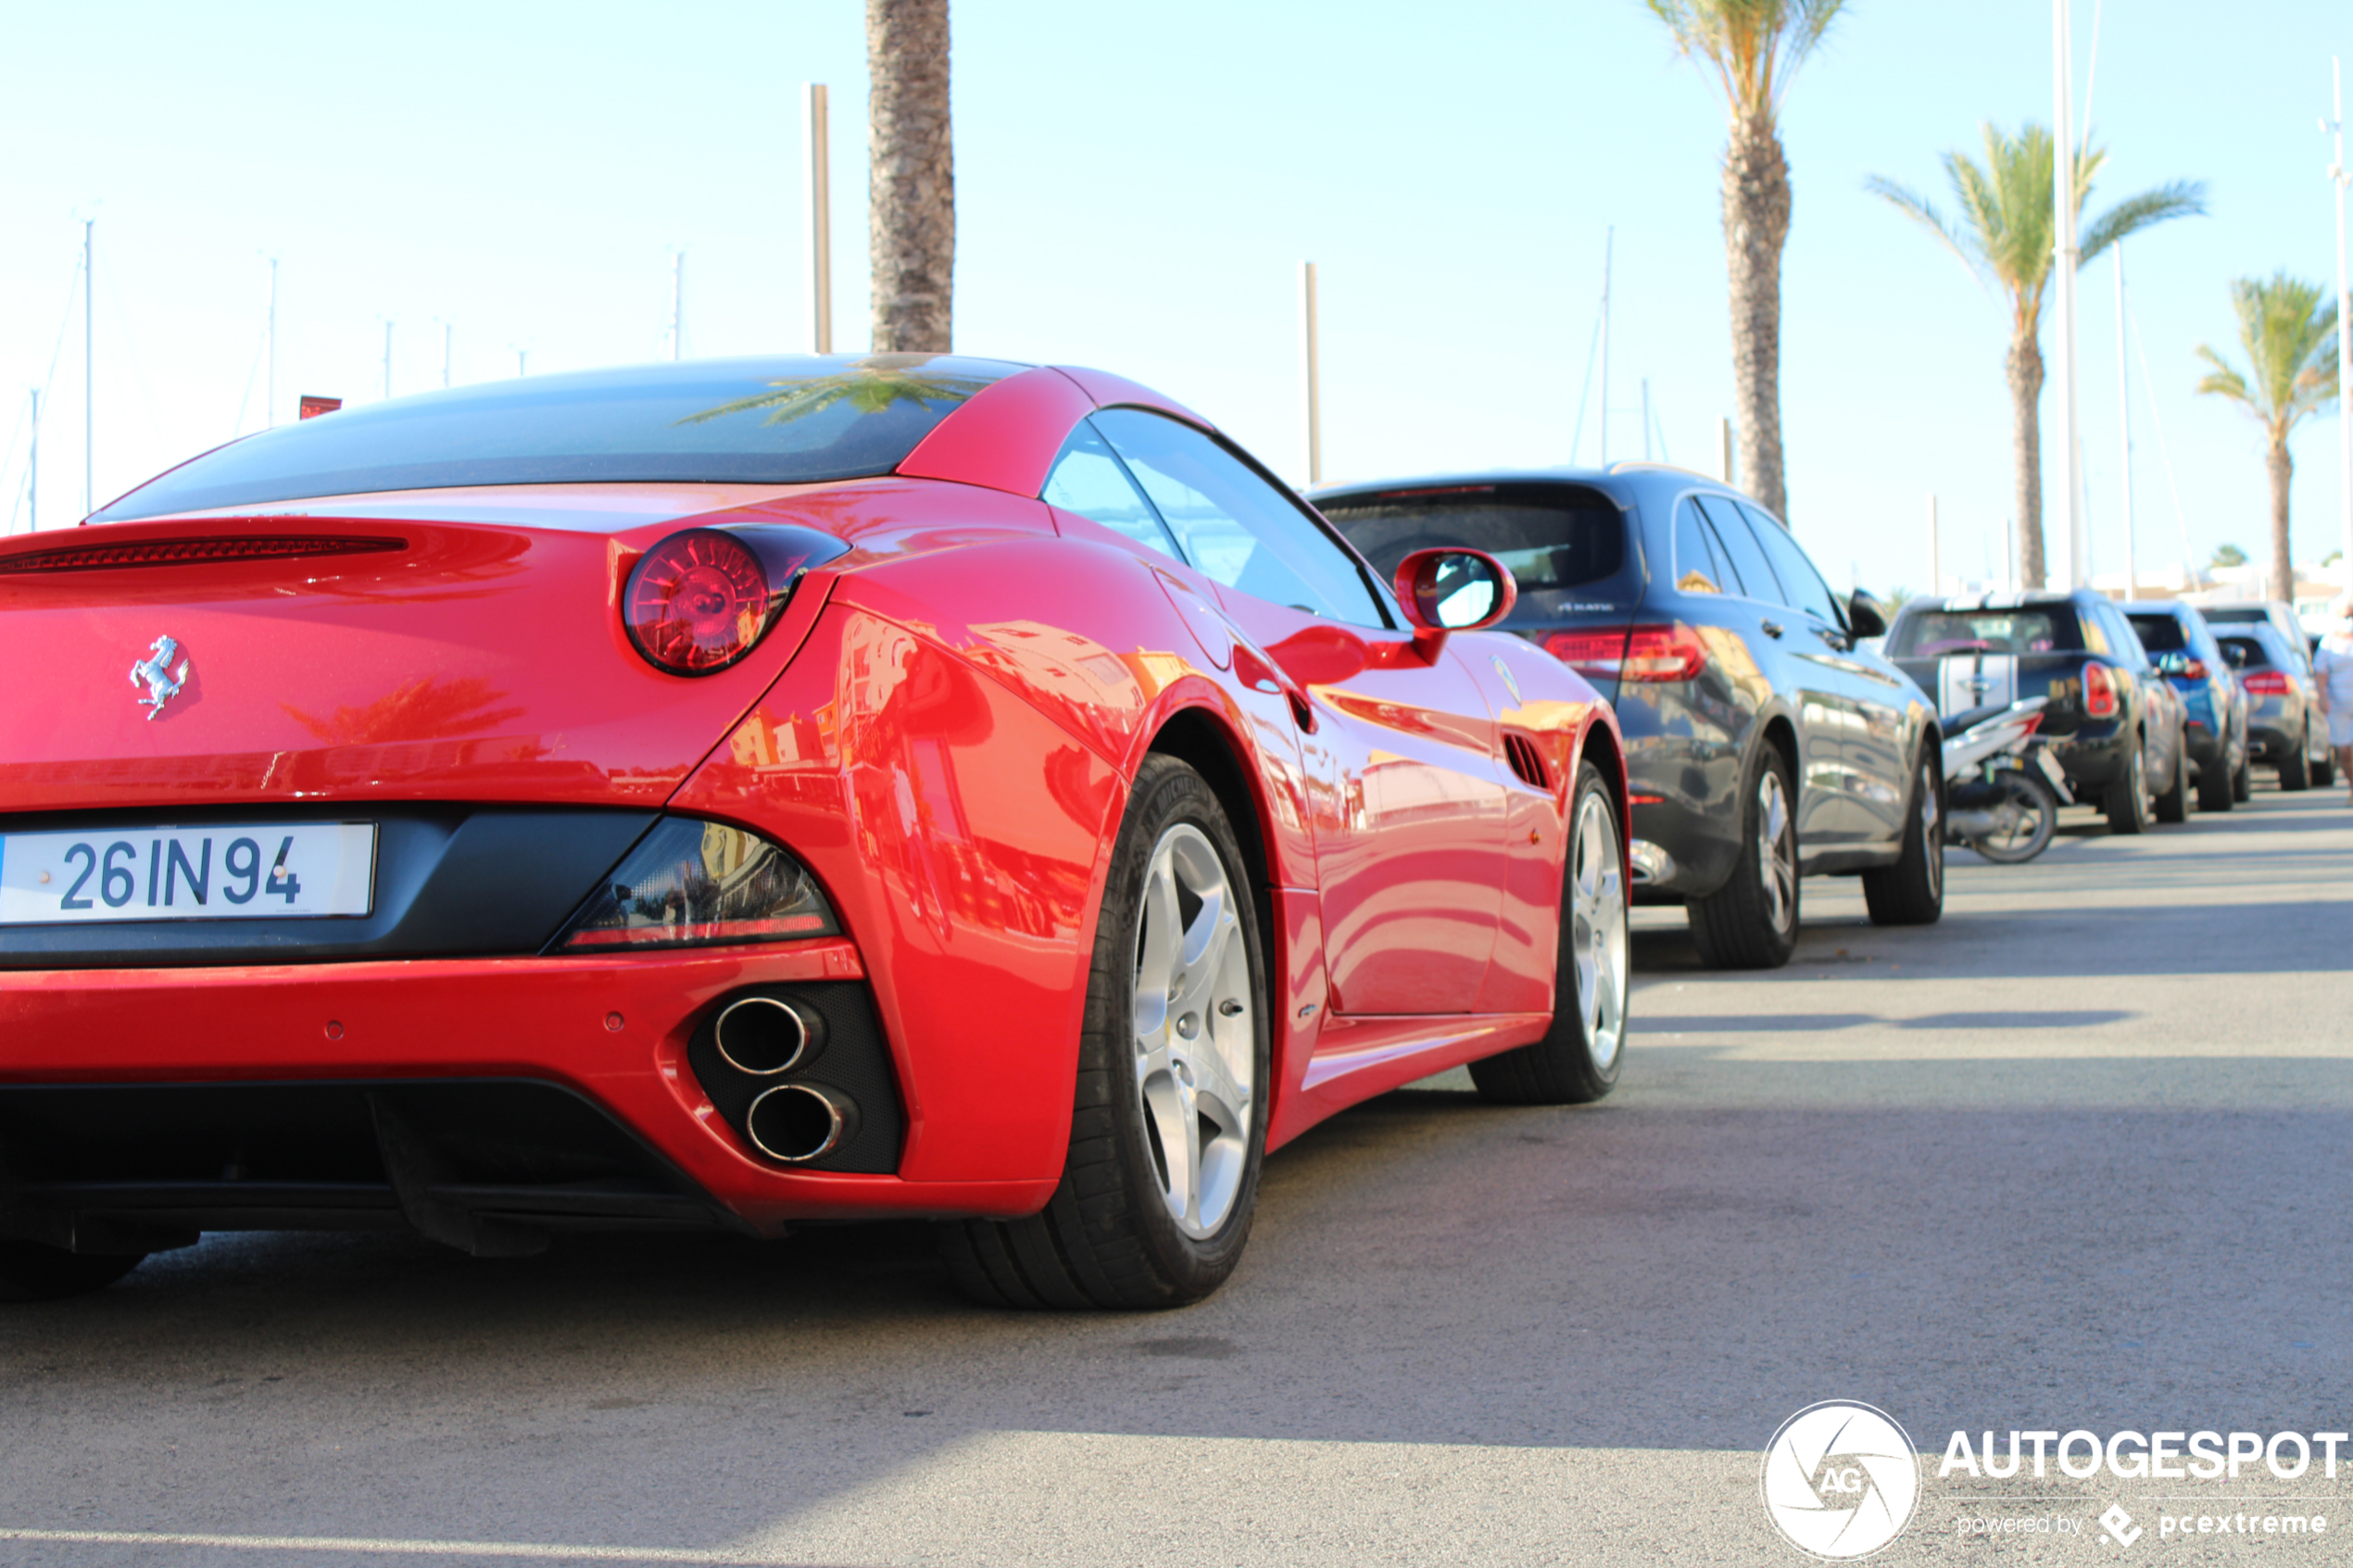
1932	633
761	421
1553	537
2250	648
2160	633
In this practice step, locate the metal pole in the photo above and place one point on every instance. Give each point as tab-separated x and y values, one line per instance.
33	471
678	305
1310	385
1729	467
89	374
2124	433
387	358
448	336
1936	567
270	381
2339	177
1609	244
817	218
521	355
2064	254
1646	418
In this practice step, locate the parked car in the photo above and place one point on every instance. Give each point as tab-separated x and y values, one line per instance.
2284	725
2214	708
737	793
1765	742
2114	723
2281	617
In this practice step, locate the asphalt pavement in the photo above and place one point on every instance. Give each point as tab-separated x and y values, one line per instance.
2076	1158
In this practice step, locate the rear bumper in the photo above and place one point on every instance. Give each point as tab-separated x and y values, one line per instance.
2093	762
615	1034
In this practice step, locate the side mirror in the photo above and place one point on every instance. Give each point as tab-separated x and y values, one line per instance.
2173	663
1454	590
1865	615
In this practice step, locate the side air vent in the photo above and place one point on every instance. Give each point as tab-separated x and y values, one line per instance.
1526	760
190	552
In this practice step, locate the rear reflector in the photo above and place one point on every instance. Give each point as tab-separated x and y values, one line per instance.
2099	692
2267	682
1643	653
189	552
692	884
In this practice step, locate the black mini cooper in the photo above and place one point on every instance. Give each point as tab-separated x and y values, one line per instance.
1765	742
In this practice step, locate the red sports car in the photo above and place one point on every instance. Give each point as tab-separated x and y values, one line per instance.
737	793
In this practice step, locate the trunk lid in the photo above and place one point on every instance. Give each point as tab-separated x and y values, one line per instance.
228	660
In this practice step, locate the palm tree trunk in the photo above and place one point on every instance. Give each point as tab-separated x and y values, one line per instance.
2025	368
1756	212
913	210
2282	469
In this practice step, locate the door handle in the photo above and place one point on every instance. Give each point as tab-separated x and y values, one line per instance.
1772	628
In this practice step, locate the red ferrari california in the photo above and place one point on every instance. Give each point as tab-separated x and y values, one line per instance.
732	794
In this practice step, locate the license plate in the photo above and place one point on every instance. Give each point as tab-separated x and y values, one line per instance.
235	870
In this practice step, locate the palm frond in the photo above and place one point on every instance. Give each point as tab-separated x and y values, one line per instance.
1755	46
2287	328
2223	381
1921	211
2183	199
868	385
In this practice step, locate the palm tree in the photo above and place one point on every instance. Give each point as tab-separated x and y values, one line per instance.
1756	47
2006	237
2290	338
912	210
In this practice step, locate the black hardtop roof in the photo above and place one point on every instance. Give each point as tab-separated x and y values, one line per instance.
1622	483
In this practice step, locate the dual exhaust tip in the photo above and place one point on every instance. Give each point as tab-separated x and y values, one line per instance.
767	1038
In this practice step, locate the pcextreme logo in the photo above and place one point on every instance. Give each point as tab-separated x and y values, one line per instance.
1840	1479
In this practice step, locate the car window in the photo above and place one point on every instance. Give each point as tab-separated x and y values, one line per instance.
1698	568
1802	586
1931	634
1090	481
1551	536
785	420
2251	648
1240	530
1745	557
2158	634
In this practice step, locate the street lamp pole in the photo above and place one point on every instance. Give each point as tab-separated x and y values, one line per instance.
1310	385
2064	253
817	225
2339	177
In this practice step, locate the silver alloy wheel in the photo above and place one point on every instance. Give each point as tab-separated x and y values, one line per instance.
1932	829
1195	1038
1776	860
1597	930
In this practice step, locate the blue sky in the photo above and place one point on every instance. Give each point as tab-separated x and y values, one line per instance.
1136	188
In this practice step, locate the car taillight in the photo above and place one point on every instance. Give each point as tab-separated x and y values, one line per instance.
691	884
2099	692
2194	669
2267	682
1643	653
697	602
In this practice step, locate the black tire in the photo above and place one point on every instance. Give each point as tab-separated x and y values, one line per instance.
1107	1238
2324	770
2296	767
2173	804
1578	1061
1735	927
30	1271
2242	781
2031	795
1911	891
2127	798
2214	791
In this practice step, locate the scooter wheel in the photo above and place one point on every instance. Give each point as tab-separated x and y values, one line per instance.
2027	813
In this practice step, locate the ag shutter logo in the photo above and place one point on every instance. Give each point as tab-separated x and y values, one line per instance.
1839	1480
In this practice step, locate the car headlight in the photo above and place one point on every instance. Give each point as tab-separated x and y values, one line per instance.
691	883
